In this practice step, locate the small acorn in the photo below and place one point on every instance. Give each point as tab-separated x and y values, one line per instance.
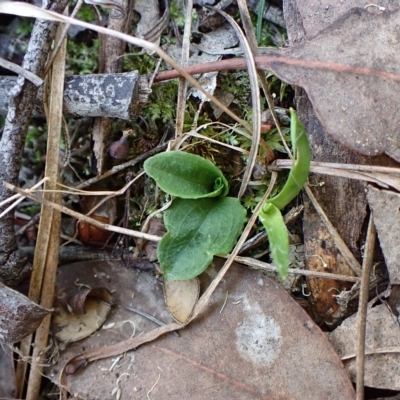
120	148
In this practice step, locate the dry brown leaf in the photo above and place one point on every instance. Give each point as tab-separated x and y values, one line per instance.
260	345
381	370
351	66
102	209
181	297
385	206
319	14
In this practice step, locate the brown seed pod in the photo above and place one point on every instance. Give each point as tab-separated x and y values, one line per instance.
120	148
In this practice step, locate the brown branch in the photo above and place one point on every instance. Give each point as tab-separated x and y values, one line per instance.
271	62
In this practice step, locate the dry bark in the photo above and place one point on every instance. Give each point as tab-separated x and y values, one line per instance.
111	49
14	266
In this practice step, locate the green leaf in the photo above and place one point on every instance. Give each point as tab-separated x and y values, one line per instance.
186	175
273	222
198	230
301	165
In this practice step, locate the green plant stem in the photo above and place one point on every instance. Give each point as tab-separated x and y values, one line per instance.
301	165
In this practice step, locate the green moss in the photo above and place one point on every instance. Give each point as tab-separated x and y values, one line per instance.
81	58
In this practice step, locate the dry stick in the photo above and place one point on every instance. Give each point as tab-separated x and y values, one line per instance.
266	62
252	262
21	71
46	255
110	50
362	307
64	33
339	243
81	217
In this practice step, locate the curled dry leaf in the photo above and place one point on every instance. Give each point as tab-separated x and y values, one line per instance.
80	310
105	213
181	297
19	317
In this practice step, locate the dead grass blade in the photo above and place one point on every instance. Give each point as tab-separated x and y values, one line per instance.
21	71
255	98
251	37
382	176
253	262
45	263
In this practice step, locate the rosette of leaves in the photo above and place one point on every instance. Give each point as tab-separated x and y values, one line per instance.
201	221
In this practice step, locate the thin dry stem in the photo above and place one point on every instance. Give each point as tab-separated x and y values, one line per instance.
81	217
362	307
183	84
252	262
251	37
210	290
256	103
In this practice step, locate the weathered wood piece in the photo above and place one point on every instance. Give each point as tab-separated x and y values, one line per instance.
96	95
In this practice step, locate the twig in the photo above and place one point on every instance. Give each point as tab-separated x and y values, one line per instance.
82	217
183	83
64	33
362	308
21	71
121	167
252	262
269	61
